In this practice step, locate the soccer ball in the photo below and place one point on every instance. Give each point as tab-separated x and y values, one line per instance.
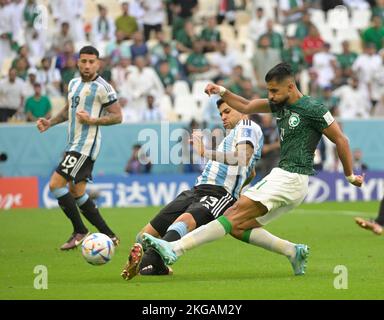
97	249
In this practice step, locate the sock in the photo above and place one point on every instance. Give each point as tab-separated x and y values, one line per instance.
262	238
68	204
89	210
176	231
380	218
207	233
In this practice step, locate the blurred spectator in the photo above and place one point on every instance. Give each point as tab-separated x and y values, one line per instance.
34	36
224	60
6	30
126	23
157	51
174	63
358	165
141	81
37	106
258	24
227	11
197	65
136	10
12	93
152	112
291	10
30	83
70	11
354	101
365	66
21	67
154	16
249	91
210	35
264	59
312	44
293	54
69	72
378	9
324	64
118	49
187	7
138	163
50	77
302	29
121	73
271	146
339	79
23	53
314	89
377	88
210	114
129	115
191	159
68	53
64	36
166	77
177	20
329	100
346	59
105	70
17	9
234	81
139	47
103	26
186	37
275	38
375	33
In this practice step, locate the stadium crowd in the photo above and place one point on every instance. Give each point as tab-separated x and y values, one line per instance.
159	54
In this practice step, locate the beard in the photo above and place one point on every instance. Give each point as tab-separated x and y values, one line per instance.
279	105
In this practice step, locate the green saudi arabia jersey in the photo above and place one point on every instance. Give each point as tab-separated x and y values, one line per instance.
300	127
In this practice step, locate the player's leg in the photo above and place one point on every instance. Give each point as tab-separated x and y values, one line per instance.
89	209
377	225
141	257
241	214
58	186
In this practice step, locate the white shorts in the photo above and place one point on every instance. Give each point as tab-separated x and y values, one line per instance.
279	192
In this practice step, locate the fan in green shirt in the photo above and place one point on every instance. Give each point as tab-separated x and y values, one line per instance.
375	34
210	35
37	106
125	22
293	54
346	58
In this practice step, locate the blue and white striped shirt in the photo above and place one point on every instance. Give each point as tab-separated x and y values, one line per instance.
230	177
92	97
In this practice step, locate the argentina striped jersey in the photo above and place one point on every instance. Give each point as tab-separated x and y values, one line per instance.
93	97
232	178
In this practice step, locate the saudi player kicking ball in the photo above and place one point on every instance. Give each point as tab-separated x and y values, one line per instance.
301	121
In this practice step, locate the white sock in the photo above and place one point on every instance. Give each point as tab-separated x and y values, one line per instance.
262	238
204	234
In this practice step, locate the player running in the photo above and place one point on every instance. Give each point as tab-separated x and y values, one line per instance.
301	121
229	168
91	103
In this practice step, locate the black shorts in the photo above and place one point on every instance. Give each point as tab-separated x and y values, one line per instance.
76	167
205	202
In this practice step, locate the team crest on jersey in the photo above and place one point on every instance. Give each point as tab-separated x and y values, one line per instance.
294	120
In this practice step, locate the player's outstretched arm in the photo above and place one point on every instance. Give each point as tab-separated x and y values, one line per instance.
239	103
113	116
44	124
334	133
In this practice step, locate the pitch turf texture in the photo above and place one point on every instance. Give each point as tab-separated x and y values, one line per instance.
226	269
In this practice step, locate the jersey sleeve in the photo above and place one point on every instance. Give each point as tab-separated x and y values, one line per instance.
246	134
320	117
108	95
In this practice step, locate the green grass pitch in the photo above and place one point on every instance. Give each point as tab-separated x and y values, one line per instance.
226	269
